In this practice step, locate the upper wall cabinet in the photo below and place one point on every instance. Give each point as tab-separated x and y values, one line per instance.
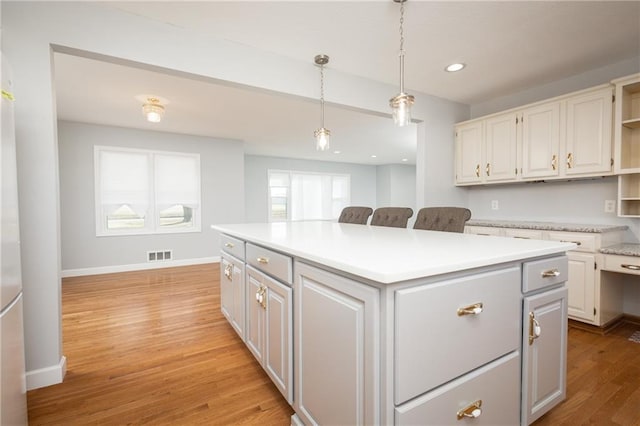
565	137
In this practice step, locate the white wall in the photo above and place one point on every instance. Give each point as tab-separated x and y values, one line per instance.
396	186
30	30
363	181
222	179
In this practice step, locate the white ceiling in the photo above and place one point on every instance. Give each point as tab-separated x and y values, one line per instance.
507	46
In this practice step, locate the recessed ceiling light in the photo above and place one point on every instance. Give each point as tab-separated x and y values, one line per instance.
374	156
455	67
405	159
336	152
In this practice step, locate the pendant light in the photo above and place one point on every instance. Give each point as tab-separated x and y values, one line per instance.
322	135
401	103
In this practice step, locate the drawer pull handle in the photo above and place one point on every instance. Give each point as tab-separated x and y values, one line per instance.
474	309
263	260
473	411
522	238
227	272
550	273
578	243
534	328
554	164
632	267
228	245
478	170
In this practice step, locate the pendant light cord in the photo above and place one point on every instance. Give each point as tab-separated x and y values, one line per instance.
322	95
401	53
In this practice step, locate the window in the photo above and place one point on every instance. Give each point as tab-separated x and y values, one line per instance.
146	192
307	196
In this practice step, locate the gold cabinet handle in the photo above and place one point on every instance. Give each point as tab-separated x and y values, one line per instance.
227	272
550	273
263	260
477	170
534	328
228	245
554	162
631	267
472	411
488	169
474	309
261	296
578	243
570	160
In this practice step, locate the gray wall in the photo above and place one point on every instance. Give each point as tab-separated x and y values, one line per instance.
396	185
363	181
222	186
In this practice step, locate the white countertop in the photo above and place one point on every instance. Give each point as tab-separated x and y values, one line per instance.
388	255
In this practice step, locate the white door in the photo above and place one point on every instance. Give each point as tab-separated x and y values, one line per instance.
544	353
500	148
541	140
469	152
581	284
589	127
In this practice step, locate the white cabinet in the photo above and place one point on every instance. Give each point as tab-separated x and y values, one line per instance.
544	351
582	286
269	328
559	138
232	289
540	140
589	133
469	146
337	349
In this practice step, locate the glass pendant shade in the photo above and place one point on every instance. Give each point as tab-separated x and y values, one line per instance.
323	138
401	108
153	111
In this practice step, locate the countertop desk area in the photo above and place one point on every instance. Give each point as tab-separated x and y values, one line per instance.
358	324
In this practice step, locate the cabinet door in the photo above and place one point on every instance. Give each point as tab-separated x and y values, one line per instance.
232	293
469	152
541	140
254	330
226	288
337	325
588	145
581	284
500	148
278	351
544	350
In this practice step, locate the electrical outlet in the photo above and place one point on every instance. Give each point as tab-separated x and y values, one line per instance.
609	206
495	205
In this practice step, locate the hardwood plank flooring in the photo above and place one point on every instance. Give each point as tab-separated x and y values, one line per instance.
152	347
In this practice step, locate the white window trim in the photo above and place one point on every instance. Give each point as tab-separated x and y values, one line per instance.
151	228
289	201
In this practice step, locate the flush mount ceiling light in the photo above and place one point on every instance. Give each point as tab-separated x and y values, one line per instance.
455	67
402	102
322	135
152	109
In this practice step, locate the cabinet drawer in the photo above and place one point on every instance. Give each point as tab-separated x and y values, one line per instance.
275	264
526	234
624	264
585	242
496	385
544	273
483	230
436	342
233	246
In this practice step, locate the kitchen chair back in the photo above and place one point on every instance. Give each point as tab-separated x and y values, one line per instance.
395	217
447	219
355	214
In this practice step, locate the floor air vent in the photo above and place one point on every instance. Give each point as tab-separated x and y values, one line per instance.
157	256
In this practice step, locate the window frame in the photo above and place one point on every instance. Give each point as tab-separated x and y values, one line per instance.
152	219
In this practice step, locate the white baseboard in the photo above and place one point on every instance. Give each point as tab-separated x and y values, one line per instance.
137	266
47	376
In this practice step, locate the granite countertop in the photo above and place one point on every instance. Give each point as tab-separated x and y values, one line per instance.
625	249
547	226
388	255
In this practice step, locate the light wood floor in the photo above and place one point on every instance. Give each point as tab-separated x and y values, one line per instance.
152	347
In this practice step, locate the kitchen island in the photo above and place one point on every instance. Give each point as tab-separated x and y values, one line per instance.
359	324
